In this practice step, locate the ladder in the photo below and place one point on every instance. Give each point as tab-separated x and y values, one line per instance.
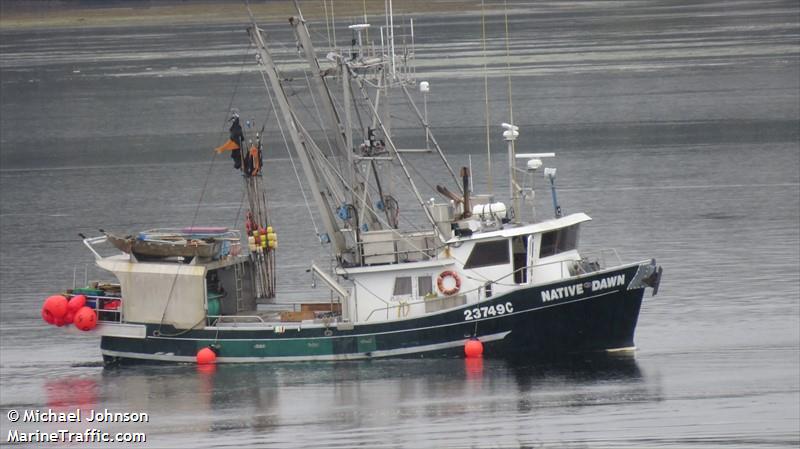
239	283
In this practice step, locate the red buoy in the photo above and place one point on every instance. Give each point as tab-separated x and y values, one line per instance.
206	356
473	348
85	319
48	317
54	307
69	317
75	303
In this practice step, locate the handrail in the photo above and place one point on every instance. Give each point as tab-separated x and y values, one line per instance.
424	251
91	241
99	309
224	318
180	231
601	255
390	307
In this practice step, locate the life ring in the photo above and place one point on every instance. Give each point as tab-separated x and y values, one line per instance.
440	283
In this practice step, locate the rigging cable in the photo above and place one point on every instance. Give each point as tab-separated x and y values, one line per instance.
319	118
486	102
508	71
316	107
202	195
291	158
333	25
514	187
327	25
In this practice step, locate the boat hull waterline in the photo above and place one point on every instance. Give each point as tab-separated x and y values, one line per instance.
597	312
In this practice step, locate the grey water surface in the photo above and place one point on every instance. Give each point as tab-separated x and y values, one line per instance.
675	126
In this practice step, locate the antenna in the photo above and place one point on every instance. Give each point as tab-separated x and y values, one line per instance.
425	87
510	135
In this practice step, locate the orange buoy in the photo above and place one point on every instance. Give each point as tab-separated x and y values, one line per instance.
473	348
54	307
85	319
206	356
75	303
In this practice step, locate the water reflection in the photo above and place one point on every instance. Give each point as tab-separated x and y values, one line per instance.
263	398
67	394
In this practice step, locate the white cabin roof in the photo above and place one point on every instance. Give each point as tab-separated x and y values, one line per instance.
532	228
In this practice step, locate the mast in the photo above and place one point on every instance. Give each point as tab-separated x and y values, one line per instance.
268	67
343	134
335	123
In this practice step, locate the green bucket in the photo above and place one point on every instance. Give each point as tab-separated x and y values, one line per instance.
213	306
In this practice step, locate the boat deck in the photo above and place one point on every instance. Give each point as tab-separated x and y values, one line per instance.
282	313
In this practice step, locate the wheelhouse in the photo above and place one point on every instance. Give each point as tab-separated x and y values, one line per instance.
468	269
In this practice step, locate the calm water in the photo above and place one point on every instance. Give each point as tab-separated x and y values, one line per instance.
676	129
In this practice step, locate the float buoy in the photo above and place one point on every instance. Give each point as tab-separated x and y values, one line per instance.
456	283
206	356
69	317
75	303
54	307
473	348
85	319
48	317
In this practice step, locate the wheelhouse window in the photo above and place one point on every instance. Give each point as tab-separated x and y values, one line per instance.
402	286
558	241
424	286
485	254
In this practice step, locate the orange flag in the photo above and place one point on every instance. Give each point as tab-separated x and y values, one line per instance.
230	145
254	158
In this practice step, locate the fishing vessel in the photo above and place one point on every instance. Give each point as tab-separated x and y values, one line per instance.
470	275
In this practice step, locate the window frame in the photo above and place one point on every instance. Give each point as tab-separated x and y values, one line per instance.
410	293
472	264
564	239
419	287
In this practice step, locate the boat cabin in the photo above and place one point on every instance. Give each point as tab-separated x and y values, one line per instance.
467	269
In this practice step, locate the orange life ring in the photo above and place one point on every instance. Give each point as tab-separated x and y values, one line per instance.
440	283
